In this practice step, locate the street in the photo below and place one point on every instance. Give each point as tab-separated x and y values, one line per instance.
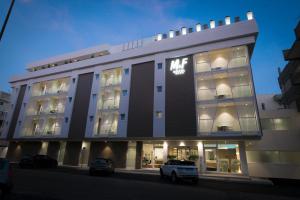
58	185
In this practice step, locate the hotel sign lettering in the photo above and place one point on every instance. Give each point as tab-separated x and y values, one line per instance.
177	66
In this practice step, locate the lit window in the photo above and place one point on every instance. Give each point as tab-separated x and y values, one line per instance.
183	31
249	15
212	24
159	37
227	20
198	27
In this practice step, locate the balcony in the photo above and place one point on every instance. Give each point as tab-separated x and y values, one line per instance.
109	99
48	106
106	124
223	89
51	88
221	60
42	127
111	77
227	119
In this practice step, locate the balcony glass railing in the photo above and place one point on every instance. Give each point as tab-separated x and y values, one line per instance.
214	94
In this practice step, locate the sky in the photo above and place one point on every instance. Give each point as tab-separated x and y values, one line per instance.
38	29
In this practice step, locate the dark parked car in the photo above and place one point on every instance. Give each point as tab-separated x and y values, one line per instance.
101	165
38	161
5	176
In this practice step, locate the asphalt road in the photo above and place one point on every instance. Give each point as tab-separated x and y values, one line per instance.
57	185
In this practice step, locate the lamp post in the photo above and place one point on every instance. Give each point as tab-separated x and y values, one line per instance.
6	18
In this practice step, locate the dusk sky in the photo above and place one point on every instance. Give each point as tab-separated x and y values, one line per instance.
38	29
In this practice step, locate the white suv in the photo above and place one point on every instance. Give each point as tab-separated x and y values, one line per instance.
176	169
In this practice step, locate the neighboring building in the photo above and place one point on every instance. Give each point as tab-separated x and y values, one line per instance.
4	108
289	78
277	154
185	95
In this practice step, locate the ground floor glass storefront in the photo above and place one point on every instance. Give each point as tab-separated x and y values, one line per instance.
210	156
221	157
152	155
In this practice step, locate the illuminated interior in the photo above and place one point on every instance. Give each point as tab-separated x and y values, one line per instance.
108	103
46	107
224	92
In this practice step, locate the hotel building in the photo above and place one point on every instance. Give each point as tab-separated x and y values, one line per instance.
187	94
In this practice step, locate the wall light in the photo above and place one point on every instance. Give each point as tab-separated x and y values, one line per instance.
159	37
227	20
171	34
198	27
249	15
165	145
183	31
212	24
181	144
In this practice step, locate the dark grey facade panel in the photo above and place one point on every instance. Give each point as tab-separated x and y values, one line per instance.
180	109
116	151
16	112
16	150
140	113
72	153
81	106
53	149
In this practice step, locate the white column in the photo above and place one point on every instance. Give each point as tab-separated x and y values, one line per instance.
243	158
44	148
201	157
165	152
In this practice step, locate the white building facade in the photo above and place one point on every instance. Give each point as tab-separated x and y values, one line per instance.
185	95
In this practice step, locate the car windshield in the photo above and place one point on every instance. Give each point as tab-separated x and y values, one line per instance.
179	162
185	162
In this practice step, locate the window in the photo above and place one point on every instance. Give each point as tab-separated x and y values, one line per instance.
124	92
74	79
97	76
126	71
159	66
122	116
70	99
278	124
66	119
94	96
158	114
273	157
263	107
1	103
159	88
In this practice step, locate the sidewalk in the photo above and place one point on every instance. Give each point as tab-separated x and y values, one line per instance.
147	174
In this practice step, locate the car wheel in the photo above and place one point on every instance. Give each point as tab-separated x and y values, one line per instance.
173	177
162	176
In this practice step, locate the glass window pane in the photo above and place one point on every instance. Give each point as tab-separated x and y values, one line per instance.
267	124
281	124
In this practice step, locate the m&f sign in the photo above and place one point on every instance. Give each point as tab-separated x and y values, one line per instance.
177	66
